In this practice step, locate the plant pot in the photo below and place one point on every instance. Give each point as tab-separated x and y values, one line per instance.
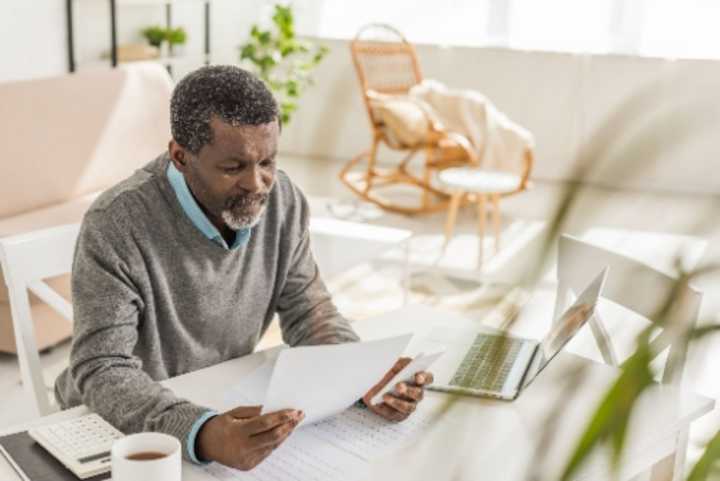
178	50
164	50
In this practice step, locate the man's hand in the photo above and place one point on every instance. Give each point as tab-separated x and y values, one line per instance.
400	403
241	438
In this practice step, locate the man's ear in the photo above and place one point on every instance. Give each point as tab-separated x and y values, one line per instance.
178	155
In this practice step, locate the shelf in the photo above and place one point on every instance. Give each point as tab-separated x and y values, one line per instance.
114	10
131	3
167	61
124	3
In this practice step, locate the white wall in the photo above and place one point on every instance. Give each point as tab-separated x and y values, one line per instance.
33	33
32	39
662	115
642	123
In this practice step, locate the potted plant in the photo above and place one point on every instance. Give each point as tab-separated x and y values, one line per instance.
280	59
176	37
155	35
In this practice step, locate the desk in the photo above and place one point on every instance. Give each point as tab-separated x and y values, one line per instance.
490	439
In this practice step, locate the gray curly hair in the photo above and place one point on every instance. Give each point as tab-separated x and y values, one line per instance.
234	95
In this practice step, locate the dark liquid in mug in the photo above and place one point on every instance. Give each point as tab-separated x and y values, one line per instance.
145	456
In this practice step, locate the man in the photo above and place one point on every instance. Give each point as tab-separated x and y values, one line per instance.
184	264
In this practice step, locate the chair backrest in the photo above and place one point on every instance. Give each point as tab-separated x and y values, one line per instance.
385	62
27	259
633	285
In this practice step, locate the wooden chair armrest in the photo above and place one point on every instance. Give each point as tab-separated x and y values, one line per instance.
529	161
465	144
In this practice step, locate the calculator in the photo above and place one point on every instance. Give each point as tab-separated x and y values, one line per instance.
82	444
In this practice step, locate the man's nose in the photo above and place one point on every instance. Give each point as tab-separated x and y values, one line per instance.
252	180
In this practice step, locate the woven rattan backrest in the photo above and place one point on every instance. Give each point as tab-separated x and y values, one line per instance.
385	62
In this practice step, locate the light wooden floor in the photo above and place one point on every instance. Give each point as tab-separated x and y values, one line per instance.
657	212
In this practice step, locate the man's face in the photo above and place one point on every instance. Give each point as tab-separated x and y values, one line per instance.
232	176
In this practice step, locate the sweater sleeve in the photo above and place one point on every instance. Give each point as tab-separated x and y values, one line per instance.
107	310
307	313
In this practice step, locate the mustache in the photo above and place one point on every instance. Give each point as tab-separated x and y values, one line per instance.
245	200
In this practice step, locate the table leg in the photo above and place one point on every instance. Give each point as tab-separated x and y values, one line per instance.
481	228
496	220
455	201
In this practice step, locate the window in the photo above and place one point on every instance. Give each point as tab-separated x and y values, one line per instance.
456	22
561	25
682	29
664	28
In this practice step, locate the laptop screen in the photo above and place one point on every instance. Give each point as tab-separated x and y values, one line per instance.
566	327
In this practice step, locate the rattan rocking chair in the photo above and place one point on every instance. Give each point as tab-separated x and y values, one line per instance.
386	63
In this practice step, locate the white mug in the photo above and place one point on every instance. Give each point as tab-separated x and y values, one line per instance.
165	468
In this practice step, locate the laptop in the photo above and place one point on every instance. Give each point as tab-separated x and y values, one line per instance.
494	364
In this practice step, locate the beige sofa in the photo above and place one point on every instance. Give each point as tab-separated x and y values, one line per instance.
66	139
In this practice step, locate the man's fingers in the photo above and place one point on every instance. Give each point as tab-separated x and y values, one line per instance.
423	378
256	458
243	412
388	412
266	422
399	366
273	438
263	453
413	393
405	407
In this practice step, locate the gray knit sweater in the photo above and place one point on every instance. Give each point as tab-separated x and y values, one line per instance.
154	298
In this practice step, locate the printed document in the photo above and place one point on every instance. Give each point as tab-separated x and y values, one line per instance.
325	380
338	446
341	447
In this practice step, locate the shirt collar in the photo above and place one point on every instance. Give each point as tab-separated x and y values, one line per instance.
195	213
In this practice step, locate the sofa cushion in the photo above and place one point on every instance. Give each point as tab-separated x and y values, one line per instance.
68	136
407	122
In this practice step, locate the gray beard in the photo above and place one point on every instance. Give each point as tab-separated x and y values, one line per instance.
242	221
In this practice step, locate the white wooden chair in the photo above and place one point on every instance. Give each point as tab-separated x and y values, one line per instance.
643	290
27	259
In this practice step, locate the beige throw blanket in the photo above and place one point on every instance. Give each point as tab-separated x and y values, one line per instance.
500	142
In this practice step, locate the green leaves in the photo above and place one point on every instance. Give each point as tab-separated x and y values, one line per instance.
176	36
292	87
156	35
610	420
609	423
283	19
708	467
281	60
247	51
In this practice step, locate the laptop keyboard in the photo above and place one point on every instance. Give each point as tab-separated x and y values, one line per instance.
487	363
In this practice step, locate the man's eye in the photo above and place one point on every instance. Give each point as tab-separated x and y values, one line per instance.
267	163
231	170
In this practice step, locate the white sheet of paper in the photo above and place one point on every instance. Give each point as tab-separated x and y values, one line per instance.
251	388
420	363
325	380
340	448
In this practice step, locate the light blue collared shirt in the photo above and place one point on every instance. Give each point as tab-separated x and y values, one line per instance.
200	220
195	213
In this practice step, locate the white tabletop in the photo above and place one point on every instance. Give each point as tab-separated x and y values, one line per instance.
494	439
